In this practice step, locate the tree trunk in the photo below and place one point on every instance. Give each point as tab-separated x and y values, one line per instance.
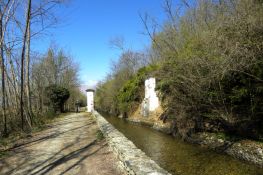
14	83
22	64
3	73
28	90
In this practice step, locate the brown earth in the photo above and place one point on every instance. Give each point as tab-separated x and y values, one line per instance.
68	146
152	120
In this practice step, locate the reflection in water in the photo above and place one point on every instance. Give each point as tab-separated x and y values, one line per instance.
179	157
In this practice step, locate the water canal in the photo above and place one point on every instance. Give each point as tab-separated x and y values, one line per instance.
179	157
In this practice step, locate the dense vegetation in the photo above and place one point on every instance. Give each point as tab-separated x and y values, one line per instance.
56	96
108	94
131	94
210	69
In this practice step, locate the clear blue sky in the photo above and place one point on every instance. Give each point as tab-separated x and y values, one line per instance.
88	25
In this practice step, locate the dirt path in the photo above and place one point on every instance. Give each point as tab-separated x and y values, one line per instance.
69	146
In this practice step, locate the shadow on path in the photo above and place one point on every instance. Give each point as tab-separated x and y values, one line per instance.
61	149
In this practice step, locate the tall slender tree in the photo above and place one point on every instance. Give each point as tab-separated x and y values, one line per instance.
28	89
3	10
22	63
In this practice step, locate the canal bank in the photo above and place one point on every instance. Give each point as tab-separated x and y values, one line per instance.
132	160
179	157
245	150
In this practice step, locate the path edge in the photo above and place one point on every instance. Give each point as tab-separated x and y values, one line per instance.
132	160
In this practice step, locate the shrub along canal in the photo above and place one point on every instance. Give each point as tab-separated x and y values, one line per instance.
179	157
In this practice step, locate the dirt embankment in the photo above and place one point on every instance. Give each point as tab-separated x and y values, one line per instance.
153	120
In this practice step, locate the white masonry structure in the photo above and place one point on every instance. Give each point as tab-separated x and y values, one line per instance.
151	101
90	100
150	94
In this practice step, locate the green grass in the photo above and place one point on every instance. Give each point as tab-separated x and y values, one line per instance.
99	135
3	154
222	136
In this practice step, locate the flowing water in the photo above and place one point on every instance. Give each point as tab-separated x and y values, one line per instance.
179	157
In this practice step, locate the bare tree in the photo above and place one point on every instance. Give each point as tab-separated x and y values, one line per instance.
22	63
28	89
4	18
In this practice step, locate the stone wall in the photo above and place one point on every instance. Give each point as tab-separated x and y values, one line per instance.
132	160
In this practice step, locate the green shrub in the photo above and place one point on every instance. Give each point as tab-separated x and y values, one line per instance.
99	135
213	67
56	96
132	93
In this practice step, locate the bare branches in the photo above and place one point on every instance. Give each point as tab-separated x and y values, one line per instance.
171	13
16	32
151	27
2	61
117	43
150	32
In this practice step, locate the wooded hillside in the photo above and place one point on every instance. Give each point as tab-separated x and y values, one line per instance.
208	56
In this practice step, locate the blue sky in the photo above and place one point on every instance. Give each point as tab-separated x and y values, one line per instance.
87	26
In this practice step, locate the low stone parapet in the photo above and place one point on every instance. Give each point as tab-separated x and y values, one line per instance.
132	160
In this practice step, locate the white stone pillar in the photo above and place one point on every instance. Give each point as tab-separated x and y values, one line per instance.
151	101
90	100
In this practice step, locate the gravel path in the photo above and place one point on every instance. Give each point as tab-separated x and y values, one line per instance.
69	146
